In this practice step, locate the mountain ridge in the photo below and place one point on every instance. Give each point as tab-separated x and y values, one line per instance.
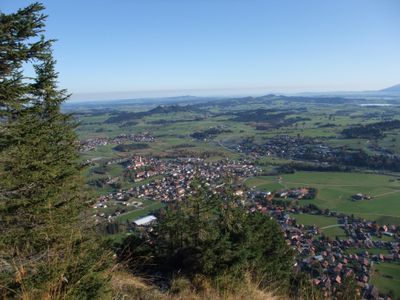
392	89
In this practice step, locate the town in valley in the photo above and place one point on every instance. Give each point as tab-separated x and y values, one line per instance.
326	169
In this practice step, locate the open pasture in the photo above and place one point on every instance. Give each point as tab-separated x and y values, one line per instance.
335	190
321	222
387	277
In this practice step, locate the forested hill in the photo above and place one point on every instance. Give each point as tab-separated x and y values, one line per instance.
161	109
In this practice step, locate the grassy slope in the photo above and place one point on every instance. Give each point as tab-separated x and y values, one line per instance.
129	287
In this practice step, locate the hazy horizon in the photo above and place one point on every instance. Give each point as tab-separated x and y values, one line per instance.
165	48
238	92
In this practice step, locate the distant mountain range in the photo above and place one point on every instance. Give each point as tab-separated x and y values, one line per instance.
392	89
390	94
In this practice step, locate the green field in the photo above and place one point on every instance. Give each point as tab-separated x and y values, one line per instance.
335	190
141	212
372	251
387	278
320	221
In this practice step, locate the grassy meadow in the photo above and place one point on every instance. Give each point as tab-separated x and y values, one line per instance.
387	277
336	188
320	221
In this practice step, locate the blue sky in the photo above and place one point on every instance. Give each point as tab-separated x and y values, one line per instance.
166	47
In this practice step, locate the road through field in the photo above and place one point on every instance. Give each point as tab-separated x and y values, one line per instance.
384	194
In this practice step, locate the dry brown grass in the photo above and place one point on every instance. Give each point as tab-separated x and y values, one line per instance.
126	286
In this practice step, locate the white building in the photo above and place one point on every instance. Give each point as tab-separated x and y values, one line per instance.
145	220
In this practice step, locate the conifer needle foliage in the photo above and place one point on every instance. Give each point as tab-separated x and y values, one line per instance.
43	248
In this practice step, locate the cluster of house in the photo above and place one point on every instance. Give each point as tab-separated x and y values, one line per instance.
93	143
137	162
315	150
285	146
297	193
330	262
290	193
182	168
174	179
364	230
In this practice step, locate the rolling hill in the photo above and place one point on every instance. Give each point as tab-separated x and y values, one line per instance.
392	89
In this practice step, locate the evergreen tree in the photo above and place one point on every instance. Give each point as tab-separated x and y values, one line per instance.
211	234
43	251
